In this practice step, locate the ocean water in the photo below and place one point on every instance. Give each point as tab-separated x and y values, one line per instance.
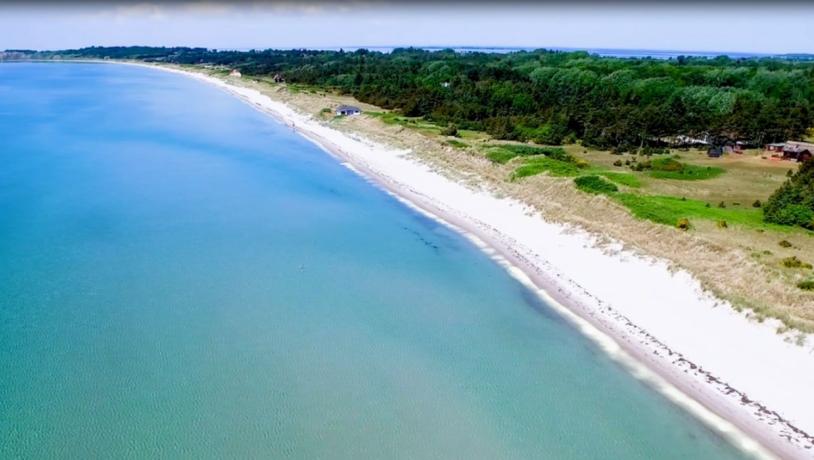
180	276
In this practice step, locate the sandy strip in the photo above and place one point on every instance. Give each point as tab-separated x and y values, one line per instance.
752	385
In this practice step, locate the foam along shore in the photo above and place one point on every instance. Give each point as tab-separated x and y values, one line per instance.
751	384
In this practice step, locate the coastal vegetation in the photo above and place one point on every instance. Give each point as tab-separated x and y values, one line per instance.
595	184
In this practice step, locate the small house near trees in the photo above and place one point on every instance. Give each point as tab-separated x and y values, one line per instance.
775	147
800	151
347	110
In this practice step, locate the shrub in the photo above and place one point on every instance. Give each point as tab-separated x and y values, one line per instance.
667	164
450	130
722	205
617	163
794	262
806	285
595	184
757	204
722	224
784	244
683	224
654	150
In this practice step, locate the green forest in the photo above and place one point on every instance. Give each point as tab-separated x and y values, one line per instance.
548	97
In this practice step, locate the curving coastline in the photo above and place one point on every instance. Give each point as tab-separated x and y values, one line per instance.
624	331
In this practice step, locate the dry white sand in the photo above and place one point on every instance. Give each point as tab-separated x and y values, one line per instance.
754	386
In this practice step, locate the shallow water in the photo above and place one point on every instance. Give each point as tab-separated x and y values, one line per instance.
182	276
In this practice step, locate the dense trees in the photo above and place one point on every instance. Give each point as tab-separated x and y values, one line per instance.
793	202
546	96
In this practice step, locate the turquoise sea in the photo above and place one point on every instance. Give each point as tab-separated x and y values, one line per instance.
182	277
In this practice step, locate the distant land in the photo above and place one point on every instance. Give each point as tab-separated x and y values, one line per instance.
604	52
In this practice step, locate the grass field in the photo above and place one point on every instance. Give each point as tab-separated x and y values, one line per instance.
668	210
671	168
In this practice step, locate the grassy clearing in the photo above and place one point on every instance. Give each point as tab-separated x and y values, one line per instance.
626	179
669	209
670	168
537	165
595	184
504	152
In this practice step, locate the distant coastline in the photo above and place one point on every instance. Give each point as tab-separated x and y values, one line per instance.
604	52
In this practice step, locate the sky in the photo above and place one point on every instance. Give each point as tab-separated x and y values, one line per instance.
775	27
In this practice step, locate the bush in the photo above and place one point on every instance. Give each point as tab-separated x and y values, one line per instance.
784	244
794	262
807	285
757	204
549	133
450	130
654	151
683	224
722	205
595	184
722	224
617	163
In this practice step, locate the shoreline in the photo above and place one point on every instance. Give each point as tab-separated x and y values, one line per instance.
746	423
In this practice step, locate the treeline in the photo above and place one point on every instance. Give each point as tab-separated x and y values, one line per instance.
544	96
793	202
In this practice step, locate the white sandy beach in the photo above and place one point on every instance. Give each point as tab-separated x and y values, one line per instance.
754	386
